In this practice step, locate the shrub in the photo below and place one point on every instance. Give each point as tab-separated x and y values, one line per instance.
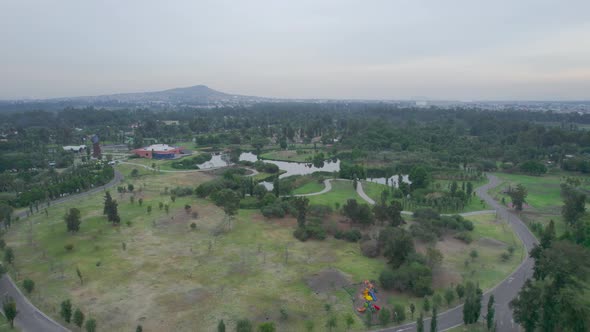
69	247
505	256
182	191
426	213
2	244
353	235
464	236
193	226
28	285
320	210
399	313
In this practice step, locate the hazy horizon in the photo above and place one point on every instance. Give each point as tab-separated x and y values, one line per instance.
456	50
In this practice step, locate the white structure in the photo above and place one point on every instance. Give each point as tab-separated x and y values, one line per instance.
75	148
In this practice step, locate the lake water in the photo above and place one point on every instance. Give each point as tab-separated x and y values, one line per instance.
390	181
294	168
217	160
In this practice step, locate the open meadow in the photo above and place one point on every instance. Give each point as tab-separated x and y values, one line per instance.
156	270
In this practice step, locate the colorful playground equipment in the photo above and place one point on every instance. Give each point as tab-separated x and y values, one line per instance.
368	295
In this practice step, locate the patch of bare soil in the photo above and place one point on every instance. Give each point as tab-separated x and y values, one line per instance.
443	277
327	280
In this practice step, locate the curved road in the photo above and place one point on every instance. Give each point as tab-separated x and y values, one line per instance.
30	318
503	292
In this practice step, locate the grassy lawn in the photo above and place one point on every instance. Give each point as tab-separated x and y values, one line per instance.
5	326
340	193
373	190
543	191
544	197
310	187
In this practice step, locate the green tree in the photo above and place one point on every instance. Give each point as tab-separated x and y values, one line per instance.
90	325
420	323
460	289
29	285
276	187
9	255
244	325
221	326
518	196
419	177
426	305
309	325
9	309
436	300
72	219
574	205
110	209
301	204
384	316
398	244
491	313
449	296
267	327
412	309
472	305
66	310
399	313
139	328
433	320
78	317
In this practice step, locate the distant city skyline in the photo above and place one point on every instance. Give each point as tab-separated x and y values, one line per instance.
396	50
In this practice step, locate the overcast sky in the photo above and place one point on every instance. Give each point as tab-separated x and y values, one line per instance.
465	49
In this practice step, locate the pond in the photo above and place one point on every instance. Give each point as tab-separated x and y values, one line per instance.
295	168
391	181
217	160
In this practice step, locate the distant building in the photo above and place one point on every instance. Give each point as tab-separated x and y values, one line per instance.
158	151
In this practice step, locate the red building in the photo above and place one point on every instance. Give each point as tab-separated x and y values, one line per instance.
158	151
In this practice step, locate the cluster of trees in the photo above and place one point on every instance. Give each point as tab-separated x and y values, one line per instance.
408	270
555	298
430	225
111	209
34	187
76	316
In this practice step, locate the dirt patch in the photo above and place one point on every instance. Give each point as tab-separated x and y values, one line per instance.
489	242
442	277
327	280
184	300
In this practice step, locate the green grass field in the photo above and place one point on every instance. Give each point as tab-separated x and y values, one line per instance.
544	196
340	193
156	272
308	188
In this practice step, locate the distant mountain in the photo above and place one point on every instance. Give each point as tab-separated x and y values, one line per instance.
194	96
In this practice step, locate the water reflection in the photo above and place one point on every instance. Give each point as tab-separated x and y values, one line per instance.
391	181
295	168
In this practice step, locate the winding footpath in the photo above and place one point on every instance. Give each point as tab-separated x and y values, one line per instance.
32	319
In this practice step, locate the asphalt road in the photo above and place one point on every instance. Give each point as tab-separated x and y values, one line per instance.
29	318
503	292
